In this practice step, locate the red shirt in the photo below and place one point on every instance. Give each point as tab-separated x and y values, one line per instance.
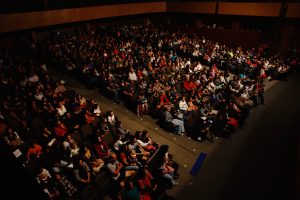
36	150
163	99
102	149
60	131
189	85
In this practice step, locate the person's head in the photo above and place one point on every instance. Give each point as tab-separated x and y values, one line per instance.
9	131
78	161
73	144
138	134
68	115
119	136
132	139
168	108
69	137
112	157
145	133
57	176
164	148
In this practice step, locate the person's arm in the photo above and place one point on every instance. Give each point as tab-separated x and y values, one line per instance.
142	144
166	169
106	147
124	159
39	150
122	130
181	107
88	172
99	151
76	175
114	170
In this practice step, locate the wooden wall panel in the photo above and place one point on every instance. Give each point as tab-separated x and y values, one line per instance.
250	9
293	10
192	7
21	21
29	20
230	37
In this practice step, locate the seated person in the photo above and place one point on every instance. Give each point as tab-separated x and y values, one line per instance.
12	139
67	190
176	122
34	151
124	132
129	158
114	166
183	106
164	101
44	179
141	153
90	158
200	129
81	172
145	141
101	148
191	106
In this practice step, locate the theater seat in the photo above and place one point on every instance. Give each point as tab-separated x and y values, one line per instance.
89	193
103	182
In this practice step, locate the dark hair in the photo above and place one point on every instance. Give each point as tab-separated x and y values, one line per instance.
164	148
141	172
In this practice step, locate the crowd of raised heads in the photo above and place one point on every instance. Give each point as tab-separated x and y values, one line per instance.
67	143
182	80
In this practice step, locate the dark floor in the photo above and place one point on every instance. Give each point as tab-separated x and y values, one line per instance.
266	167
258	162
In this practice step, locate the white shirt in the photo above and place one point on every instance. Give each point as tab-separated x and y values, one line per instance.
34	78
61	110
111	119
183	105
97	111
244	96
198	67
132	76
117	144
142	144
222	79
39	96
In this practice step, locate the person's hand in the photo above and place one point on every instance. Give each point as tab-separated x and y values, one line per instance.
120	165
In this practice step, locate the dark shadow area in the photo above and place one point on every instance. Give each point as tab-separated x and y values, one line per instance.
266	167
16	183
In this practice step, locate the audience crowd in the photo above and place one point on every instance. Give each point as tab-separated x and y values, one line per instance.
192	85
181	79
68	144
